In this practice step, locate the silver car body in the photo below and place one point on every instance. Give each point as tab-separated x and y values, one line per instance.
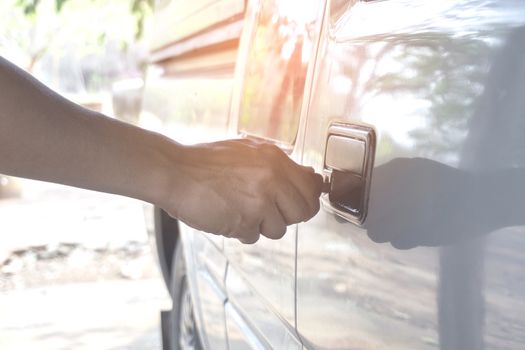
436	258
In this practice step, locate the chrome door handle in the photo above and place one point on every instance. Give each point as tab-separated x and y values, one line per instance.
348	162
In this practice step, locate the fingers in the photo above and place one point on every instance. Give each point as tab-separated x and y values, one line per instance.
247	229
248	234
252	239
273	226
291	205
262	192
296	206
310	185
298	198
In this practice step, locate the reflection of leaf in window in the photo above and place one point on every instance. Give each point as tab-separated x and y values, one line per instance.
412	66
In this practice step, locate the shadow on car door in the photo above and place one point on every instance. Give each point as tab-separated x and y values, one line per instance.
438	261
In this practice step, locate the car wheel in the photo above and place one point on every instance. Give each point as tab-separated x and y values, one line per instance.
184	334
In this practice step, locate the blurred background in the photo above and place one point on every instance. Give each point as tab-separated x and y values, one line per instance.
76	266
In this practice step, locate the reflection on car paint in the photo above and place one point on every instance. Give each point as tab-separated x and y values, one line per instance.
260	281
261	278
444	93
250	308
280	51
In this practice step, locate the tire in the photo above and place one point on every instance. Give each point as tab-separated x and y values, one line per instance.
184	334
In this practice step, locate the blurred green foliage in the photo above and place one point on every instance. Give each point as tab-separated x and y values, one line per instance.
65	32
30	6
139	8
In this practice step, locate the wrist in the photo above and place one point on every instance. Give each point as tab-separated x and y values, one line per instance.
167	177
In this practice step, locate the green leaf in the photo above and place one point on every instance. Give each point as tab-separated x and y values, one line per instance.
59	4
28	6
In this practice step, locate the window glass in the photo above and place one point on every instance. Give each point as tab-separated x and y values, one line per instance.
337	8
276	69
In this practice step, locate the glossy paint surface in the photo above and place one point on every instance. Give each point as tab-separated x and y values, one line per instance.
439	260
248	309
276	52
260	283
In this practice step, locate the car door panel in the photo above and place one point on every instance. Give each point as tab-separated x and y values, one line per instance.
210	272
436	263
277	53
268	268
240	335
262	326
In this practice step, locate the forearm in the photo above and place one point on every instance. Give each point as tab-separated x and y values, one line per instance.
43	136
244	187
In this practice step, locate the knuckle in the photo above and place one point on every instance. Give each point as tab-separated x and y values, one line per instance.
295	214
279	233
296	218
314	184
252	239
237	224
275	233
309	169
270	148
316	206
249	227
318	181
272	152
223	231
306	211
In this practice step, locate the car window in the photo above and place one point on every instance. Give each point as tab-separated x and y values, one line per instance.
338	8
274	78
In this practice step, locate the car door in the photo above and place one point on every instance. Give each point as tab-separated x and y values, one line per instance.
416	117
277	56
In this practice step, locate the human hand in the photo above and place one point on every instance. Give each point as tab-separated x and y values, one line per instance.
242	189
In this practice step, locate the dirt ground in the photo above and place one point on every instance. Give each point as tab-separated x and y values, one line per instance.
77	271
63	263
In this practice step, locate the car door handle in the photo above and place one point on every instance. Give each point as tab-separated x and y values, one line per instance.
348	162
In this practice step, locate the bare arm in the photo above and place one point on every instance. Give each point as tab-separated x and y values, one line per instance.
234	188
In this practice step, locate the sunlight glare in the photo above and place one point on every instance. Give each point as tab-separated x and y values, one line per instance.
300	11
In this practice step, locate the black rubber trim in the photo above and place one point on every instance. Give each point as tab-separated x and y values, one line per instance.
166	239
